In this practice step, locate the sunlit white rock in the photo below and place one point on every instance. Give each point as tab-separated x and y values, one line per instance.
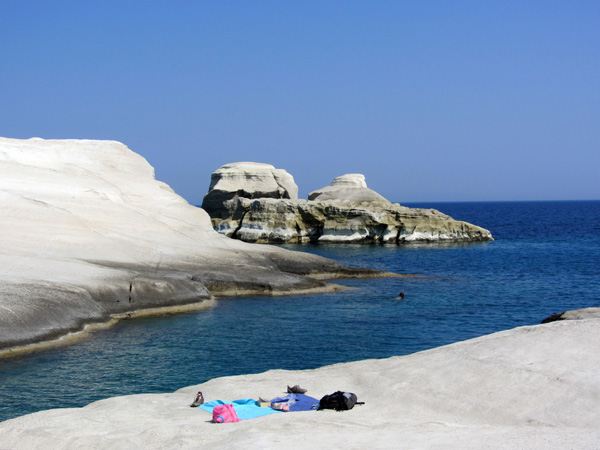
348	188
248	180
87	232
534	387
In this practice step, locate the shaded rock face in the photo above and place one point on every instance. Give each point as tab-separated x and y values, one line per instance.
576	314
346	211
248	180
88	233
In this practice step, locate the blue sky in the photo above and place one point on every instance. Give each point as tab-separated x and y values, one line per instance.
430	100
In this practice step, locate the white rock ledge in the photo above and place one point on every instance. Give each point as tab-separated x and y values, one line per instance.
88	233
534	387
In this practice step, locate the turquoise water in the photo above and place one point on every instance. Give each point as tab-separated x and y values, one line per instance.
546	259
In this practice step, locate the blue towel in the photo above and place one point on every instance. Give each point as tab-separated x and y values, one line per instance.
298	402
245	408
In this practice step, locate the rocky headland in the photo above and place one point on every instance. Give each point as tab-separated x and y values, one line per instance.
89	235
533	387
256	202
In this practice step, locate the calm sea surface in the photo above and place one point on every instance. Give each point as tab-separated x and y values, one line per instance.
546	259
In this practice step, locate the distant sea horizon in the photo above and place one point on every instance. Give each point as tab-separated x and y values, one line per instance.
494	201
545	259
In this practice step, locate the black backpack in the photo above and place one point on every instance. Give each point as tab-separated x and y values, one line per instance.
340	401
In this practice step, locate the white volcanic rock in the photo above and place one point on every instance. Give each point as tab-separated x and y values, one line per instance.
302	221
248	180
533	387
348	188
88	232
346	211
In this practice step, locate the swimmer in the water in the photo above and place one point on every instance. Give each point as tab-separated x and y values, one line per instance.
400	296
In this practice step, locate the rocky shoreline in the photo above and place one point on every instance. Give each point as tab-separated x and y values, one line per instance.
529	387
258	203
90	235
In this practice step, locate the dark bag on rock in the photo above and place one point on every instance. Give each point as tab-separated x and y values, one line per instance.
340	401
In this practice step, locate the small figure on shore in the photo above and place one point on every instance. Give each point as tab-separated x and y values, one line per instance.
400	296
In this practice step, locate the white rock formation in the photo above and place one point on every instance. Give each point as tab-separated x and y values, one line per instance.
87	232
260	179
249	180
346	211
534	387
348	188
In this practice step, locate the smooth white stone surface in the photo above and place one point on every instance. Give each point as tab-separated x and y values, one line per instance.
87	231
534	387
254	177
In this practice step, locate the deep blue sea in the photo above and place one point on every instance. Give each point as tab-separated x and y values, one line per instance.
545	259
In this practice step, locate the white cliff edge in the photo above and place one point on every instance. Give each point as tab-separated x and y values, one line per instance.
88	233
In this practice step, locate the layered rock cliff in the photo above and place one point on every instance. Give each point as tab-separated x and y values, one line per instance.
249	180
88	233
346	211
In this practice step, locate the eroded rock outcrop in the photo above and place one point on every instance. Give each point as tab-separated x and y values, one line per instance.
88	233
346	211
248	180
351	187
